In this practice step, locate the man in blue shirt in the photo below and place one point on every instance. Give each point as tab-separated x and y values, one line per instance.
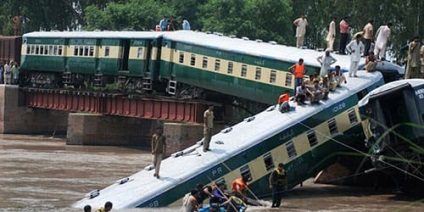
186	24
163	23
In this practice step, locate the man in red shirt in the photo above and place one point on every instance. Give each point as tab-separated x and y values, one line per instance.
344	34
283	102
298	70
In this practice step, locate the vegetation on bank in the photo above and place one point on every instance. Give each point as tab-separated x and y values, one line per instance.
256	19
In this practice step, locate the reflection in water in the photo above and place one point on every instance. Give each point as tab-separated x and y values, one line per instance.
44	174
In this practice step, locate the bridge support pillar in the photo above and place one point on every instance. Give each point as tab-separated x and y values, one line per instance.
97	129
16	117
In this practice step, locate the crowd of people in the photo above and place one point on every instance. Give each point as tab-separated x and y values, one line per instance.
9	72
171	24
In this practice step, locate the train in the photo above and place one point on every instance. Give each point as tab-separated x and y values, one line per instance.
181	63
394	131
306	139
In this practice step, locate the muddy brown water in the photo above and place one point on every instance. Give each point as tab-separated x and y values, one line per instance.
41	173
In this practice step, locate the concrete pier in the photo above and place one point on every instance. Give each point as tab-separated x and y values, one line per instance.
16	118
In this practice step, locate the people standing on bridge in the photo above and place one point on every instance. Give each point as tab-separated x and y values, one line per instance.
298	70
186	24
344	34
368	36
106	208
8	73
208	118
277	183
326	61
15	73
301	24
331	36
240	186
158	149
382	37
17	25
283	102
413	63
355	49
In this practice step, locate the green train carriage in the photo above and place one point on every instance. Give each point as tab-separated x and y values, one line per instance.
128	58
251	70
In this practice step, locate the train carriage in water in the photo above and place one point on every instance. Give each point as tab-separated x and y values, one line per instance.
253	70
307	140
56	58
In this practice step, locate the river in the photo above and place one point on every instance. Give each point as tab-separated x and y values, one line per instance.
42	173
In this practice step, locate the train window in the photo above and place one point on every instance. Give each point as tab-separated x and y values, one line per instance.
76	51
28	51
41	50
217	64
32	49
55	50
243	70
86	51
273	76
205	62
140	52
37	49
258	73
352	116
46	50
181	57
59	50
81	50
245	172
107	51
269	163
312	138
230	68
289	77
332	125
193	59
50	50
91	51
291	151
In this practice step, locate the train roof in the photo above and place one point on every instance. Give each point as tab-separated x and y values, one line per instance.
255	48
142	186
390	87
95	34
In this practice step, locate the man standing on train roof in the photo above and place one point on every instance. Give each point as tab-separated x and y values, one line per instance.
208	117
355	49
331	36
368	36
186	24
344	34
158	149
326	61
163	23
277	182
283	102
413	63
240	185
382	37
301	24
298	70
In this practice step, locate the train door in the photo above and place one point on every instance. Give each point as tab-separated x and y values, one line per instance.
125	54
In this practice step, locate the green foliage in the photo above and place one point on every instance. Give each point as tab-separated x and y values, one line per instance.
256	19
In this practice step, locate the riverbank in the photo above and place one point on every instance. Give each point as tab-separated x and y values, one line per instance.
42	173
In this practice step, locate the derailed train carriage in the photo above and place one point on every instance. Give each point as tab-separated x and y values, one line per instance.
169	62
395	130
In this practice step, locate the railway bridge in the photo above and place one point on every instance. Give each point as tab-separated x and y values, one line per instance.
100	118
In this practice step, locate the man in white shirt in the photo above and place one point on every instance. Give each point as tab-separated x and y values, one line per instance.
355	48
331	36
301	24
382	38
